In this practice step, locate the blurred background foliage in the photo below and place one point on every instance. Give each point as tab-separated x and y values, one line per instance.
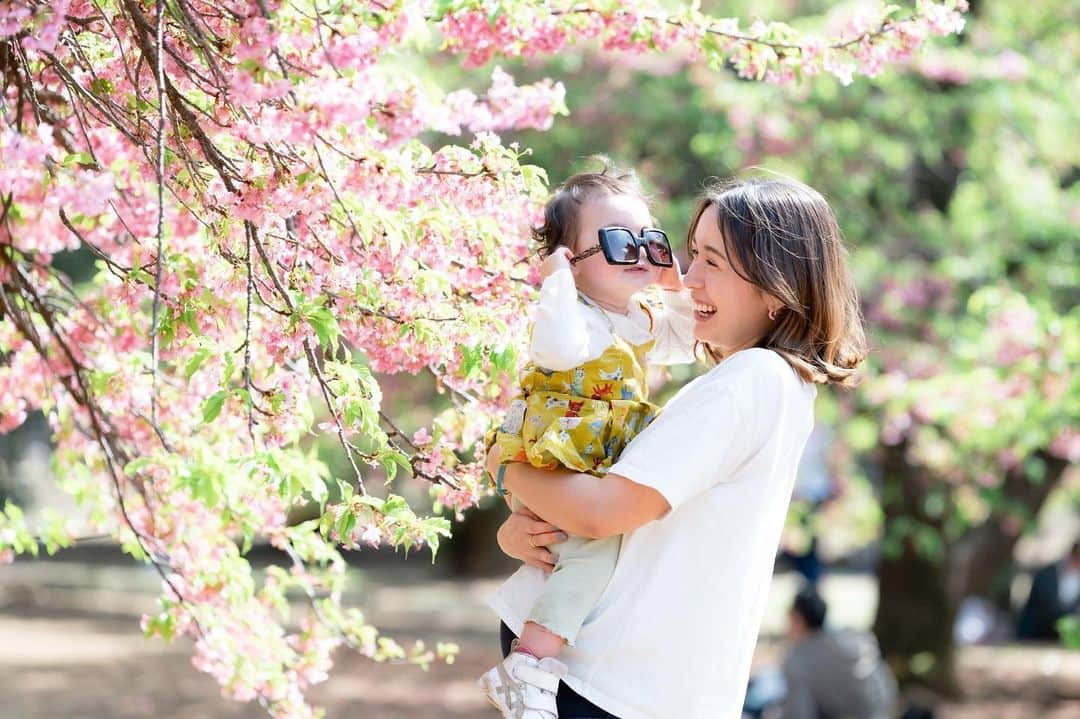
955	180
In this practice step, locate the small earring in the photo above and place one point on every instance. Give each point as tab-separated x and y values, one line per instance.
772	315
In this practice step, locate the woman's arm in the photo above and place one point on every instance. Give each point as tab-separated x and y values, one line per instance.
582	504
699	441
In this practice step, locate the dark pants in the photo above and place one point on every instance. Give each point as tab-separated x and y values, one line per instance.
571	704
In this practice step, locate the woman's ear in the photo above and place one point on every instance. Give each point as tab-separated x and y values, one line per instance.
774	307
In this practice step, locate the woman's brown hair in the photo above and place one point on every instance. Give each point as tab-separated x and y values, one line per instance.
561	211
781	236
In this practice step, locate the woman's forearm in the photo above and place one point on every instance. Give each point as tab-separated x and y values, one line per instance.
582	504
564	498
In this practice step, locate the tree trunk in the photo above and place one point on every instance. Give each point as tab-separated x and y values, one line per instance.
916	613
981	563
473	550
918	597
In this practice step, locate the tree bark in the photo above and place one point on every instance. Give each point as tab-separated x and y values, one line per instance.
916	613
918	597
981	563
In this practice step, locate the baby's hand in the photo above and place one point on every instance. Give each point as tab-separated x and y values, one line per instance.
557	260
671	277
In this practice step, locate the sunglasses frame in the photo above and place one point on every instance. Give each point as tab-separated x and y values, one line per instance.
639	242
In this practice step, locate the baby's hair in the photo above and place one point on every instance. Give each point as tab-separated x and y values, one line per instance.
561	211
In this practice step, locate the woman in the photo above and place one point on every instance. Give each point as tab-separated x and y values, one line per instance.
701	495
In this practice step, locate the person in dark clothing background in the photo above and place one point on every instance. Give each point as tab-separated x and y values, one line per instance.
1055	593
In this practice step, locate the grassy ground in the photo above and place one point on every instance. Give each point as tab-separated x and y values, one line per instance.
70	647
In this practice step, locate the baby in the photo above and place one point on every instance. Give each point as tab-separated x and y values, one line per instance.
610	304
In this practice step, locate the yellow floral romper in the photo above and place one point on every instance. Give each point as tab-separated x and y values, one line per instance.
582	418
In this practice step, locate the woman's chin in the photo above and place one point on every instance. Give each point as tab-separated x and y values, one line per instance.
703	332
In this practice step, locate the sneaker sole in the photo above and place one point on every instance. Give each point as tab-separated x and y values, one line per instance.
485	686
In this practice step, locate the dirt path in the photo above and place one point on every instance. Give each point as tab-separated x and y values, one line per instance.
70	648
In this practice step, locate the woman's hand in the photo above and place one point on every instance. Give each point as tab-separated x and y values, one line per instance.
526	537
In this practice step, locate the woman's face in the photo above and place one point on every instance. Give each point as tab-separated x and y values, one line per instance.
730	313
611	286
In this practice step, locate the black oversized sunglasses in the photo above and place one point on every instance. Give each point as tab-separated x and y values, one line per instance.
622	247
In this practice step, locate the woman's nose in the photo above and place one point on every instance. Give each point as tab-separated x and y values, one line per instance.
691	279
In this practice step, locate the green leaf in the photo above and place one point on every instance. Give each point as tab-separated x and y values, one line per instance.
132	468
442	8
503	359
195	362
391	461
325	326
346	524
536	179
472	359
374	502
1069	629
212	406
394	505
99	381
12	511
190	320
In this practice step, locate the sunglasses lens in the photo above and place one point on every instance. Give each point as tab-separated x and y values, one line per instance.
658	248
621	245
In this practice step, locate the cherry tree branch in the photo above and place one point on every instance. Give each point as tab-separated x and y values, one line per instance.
160	169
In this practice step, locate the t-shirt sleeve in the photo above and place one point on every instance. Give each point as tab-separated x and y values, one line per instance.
697	442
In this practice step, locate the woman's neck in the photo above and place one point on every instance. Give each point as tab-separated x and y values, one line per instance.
726	352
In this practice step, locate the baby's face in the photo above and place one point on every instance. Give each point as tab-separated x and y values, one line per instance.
612	285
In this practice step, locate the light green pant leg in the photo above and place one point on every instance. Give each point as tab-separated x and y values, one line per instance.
581	574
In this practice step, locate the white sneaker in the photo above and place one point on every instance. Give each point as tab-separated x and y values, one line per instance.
524	687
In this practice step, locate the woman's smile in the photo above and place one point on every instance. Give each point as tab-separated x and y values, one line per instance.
703	311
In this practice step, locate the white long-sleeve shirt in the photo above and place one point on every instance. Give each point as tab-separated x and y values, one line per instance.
568	333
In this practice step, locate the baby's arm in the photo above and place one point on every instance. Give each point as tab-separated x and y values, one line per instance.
673	329
560	335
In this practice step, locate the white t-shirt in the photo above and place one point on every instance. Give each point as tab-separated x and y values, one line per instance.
568	333
673	634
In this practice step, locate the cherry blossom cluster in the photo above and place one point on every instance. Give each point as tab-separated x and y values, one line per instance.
863	44
1012	361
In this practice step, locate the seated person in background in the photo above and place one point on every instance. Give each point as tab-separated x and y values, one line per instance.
833	674
1055	593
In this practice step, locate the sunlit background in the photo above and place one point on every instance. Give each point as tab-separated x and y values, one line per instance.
930	495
